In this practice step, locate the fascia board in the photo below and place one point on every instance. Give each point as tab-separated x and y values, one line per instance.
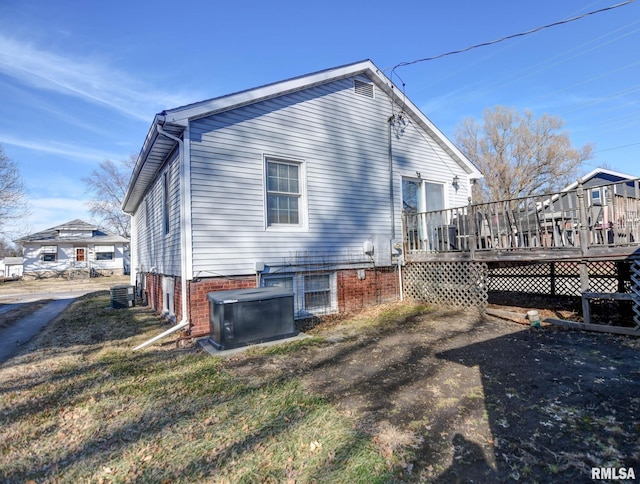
142	164
152	134
593	173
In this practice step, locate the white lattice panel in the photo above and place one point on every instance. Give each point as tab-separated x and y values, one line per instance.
455	284
635	291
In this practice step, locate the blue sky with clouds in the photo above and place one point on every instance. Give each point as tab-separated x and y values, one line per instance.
80	82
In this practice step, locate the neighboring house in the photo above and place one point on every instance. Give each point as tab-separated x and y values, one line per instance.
298	184
11	267
596	179
73	246
602	187
610	199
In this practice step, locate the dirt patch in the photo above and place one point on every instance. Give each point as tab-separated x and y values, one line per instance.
608	312
559	307
453	396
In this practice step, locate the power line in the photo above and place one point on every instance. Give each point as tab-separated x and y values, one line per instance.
502	39
616	148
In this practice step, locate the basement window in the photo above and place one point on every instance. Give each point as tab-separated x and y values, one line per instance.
283	282
317	292
314	294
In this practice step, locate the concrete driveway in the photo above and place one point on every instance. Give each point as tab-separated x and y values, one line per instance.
14	336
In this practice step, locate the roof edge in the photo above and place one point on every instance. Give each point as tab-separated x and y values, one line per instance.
180	117
594	172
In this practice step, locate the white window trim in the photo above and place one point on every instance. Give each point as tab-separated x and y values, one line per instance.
422	202
99	258
302	226
333	294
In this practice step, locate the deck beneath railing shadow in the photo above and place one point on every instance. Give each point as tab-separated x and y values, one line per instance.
586	223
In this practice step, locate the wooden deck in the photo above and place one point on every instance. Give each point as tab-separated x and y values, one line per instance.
587	223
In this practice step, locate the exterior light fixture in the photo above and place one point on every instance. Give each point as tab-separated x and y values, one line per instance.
456	182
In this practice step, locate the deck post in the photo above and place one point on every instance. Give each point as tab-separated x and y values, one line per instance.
584	287
583	222
583	227
473	229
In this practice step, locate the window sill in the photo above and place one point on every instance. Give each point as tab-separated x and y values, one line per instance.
286	228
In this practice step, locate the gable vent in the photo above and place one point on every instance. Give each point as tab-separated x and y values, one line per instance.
363	88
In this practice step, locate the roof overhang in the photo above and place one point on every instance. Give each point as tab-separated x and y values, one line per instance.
622	177
157	147
153	155
102	239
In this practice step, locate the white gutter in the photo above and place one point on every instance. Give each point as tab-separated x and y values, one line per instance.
183	234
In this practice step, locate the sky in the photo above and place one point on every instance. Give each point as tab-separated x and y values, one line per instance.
80	81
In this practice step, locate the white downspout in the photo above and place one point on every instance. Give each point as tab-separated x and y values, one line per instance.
181	324
183	256
400	277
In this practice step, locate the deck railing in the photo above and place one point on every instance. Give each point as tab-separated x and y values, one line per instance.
580	218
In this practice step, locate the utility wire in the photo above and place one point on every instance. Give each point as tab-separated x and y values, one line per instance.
616	148
521	34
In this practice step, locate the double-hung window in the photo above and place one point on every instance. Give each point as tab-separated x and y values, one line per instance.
284	192
317	292
49	253
104	252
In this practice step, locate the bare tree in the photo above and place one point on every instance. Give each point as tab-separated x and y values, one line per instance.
8	249
13	198
520	155
107	185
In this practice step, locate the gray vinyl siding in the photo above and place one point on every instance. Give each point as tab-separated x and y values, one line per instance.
155	247
340	137
415	152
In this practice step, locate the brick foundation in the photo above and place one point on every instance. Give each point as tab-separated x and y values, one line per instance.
379	285
155	294
199	304
153	290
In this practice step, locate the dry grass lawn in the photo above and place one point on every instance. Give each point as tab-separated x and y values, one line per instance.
399	393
